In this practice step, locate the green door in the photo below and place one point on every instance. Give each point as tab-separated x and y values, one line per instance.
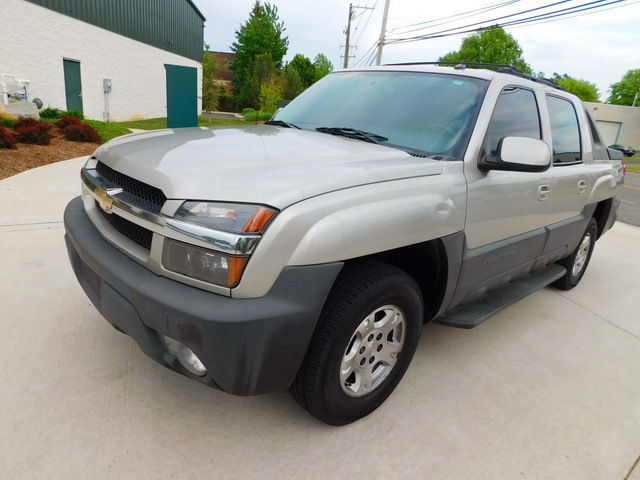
72	84
182	96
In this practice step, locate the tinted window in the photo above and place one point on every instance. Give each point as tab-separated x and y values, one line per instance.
515	115
599	151
565	132
428	112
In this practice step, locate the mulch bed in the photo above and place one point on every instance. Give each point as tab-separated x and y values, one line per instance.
26	156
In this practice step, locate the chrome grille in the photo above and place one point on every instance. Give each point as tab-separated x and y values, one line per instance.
132	231
146	196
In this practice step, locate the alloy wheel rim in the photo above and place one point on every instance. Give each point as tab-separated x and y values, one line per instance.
582	255
372	351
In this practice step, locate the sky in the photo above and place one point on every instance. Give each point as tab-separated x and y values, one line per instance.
599	47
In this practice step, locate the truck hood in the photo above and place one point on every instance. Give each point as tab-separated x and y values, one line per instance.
256	164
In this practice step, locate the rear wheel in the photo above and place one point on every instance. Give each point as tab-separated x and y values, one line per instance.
576	263
365	340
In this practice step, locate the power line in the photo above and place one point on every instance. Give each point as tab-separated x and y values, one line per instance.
367	22
419	37
573	10
369	50
556	13
575	16
470	13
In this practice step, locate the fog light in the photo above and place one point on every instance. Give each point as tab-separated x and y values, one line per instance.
185	356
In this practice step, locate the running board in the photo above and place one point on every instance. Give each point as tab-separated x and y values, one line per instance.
476	312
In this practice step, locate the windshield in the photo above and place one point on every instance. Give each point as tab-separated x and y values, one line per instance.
425	112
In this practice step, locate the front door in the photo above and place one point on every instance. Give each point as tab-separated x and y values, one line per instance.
506	211
182	96
72	84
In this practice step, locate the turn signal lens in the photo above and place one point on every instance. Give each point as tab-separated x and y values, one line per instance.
259	220
232	217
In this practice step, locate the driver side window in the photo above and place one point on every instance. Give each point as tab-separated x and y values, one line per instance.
515	115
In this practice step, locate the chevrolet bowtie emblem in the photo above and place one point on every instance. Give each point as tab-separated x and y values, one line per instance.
104	197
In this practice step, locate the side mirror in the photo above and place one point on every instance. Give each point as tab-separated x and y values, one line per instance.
518	154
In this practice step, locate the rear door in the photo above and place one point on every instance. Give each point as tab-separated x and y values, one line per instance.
569	180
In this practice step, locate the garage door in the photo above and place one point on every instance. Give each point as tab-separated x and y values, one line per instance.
609	131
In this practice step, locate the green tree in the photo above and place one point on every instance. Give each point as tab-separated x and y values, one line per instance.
291	83
587	91
492	45
322	65
210	88
261	34
305	68
270	95
624	91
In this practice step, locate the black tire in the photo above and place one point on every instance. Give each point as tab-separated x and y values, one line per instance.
571	279
361	288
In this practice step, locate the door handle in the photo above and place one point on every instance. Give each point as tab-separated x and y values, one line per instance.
543	192
582	186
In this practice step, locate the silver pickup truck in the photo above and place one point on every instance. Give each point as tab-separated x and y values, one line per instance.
308	253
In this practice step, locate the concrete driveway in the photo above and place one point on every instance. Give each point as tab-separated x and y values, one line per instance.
549	388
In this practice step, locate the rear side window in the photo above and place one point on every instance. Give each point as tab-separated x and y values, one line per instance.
515	115
599	150
565	132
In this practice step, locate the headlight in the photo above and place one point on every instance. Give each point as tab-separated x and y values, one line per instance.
232	217
203	264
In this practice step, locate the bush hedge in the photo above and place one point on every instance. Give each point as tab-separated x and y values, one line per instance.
252	115
7	138
30	130
51	113
81	132
67	120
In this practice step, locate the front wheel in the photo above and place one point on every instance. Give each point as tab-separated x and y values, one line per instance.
366	337
576	263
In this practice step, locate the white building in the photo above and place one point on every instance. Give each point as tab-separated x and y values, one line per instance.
616	123
115	60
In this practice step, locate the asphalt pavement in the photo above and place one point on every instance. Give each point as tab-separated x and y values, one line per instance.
629	211
547	389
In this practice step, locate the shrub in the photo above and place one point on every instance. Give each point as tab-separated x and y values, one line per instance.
51	113
75	113
252	115
67	120
30	130
7	122
81	132
227	102
7	138
270	95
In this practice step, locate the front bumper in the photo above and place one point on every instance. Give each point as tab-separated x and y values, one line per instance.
249	346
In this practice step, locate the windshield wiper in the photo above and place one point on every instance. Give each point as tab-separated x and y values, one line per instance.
281	123
353	133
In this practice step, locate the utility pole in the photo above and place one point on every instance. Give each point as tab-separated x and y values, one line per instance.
346	45
382	32
348	32
635	98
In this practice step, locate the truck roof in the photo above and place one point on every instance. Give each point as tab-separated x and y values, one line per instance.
483	73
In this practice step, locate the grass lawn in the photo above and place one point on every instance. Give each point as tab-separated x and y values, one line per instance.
633	168
108	130
203	121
